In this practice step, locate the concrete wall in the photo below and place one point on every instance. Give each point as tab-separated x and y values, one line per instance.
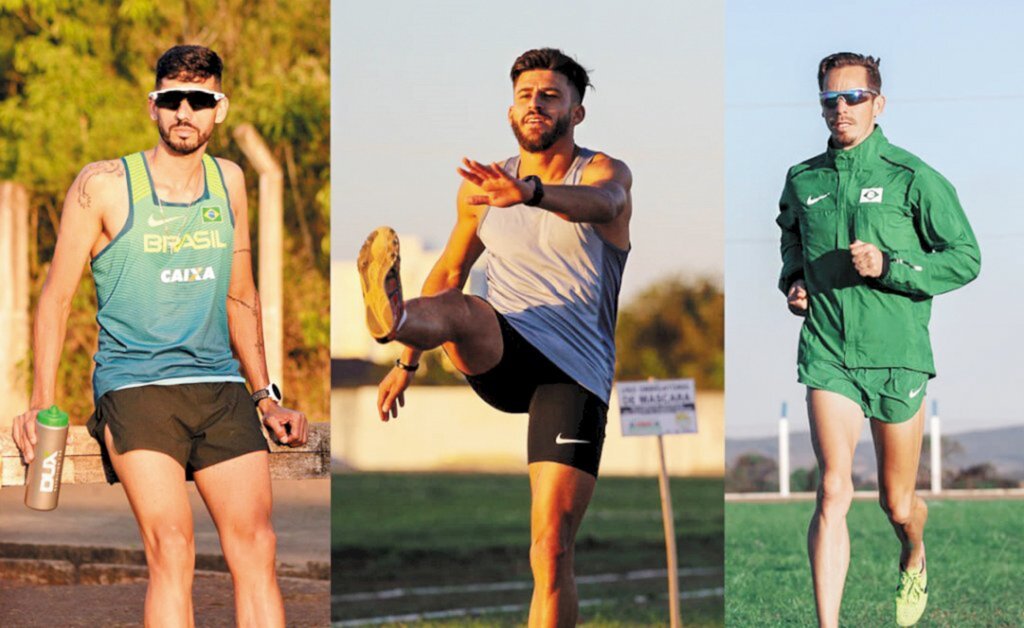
450	428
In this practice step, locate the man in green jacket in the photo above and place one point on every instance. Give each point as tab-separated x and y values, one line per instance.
869	234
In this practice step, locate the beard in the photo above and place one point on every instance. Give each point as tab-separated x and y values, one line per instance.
545	140
184	147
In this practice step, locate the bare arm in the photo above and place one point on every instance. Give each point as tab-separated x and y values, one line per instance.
81	227
601	197
245	317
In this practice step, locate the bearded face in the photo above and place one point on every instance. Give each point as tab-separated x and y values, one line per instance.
545	109
183	137
536	132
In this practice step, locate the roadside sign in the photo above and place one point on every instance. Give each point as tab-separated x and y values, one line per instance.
656	407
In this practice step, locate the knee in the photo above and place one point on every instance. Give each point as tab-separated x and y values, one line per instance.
835	494
899	507
454	302
170	546
256	542
550	553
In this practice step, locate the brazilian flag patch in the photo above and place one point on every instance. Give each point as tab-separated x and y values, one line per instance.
212	214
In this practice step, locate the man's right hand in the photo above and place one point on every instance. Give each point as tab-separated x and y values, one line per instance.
796	298
391	393
24	433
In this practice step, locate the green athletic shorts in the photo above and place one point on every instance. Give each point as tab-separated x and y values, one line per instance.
890	395
198	425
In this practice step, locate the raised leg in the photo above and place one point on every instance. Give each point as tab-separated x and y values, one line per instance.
155	485
466	326
560	497
237	493
835	423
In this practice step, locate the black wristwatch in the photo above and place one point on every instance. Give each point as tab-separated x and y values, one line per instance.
538	191
411	368
271	391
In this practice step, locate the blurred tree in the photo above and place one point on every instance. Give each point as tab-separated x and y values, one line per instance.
672	329
981	476
73	81
804	480
752	473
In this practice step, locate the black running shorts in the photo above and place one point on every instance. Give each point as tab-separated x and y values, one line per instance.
198	425
567	421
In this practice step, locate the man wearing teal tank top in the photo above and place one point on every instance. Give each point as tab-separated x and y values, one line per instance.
166	233
554	221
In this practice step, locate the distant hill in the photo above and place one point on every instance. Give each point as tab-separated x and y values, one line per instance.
1003	448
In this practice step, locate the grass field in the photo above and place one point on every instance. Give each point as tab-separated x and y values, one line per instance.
441	530
974	548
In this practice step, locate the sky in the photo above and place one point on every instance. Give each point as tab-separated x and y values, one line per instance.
955	87
428	84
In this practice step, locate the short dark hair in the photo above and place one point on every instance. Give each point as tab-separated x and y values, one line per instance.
844	59
189	63
555	60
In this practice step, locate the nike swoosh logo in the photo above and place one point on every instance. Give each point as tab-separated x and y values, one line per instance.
915	393
156	222
811	200
567	441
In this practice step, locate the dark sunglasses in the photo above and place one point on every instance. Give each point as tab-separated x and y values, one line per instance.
830	100
197	98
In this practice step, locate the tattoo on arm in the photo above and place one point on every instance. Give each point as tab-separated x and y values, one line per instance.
243	251
90	171
257	313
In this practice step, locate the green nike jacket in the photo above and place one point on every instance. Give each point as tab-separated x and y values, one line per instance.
881	194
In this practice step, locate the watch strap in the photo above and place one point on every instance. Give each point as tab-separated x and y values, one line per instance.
538	191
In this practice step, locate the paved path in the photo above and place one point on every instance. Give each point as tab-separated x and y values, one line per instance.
94	527
307	603
97	515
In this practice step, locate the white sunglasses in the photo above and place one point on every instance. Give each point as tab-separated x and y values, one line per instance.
197	97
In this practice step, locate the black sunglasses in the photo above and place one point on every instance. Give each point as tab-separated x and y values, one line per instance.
830	100
197	98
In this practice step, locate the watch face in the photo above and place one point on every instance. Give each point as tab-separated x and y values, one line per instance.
275	392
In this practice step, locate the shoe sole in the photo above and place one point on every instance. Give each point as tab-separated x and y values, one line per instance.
379	265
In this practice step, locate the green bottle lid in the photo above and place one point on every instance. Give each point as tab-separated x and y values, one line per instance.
53	417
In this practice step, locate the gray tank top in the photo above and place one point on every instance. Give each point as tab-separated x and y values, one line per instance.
557	283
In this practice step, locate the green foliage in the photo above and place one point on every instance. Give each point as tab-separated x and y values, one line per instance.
752	473
73	82
674	328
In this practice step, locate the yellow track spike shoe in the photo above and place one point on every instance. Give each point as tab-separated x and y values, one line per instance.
382	287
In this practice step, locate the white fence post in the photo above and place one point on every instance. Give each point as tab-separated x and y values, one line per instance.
783	453
15	329
936	449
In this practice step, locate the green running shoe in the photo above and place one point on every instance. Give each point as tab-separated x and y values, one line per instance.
911	596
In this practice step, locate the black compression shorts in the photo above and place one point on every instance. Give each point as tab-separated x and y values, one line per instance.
567	421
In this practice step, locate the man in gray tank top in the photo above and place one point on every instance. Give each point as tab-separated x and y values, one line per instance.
554	222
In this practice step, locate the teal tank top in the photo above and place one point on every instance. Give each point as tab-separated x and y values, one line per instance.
162	286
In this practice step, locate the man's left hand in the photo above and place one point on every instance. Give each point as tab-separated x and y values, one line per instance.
500	190
289	427
867	259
